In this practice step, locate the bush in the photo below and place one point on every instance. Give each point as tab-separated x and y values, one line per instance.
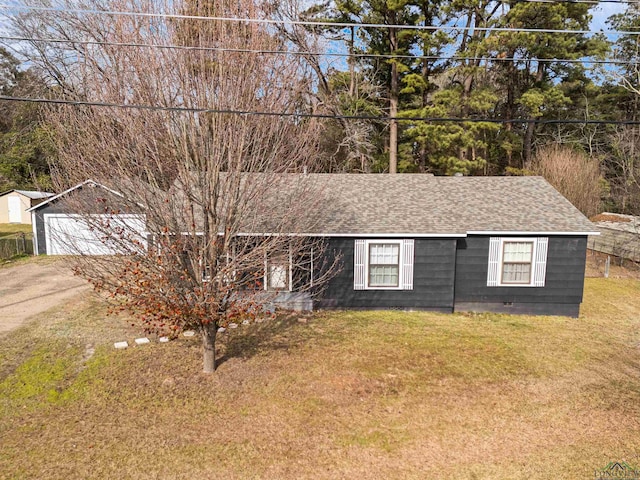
573	174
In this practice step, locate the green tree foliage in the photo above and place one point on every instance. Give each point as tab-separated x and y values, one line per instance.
24	142
512	79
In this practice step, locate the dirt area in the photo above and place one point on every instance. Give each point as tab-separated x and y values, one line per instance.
27	289
618	268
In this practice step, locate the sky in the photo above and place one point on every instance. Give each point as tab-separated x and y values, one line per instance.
602	12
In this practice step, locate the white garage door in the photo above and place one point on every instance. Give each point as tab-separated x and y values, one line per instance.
73	235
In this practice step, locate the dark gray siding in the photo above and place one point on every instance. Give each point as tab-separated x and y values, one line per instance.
434	268
561	295
53	207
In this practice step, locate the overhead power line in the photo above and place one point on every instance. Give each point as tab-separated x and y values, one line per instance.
315	54
82	103
314	23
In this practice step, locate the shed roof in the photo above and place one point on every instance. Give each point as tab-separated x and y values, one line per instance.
618	221
32	194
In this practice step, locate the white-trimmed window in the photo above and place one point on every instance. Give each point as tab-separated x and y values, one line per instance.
383	264
517	262
278	272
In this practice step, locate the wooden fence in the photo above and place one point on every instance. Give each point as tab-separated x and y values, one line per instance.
15	245
616	242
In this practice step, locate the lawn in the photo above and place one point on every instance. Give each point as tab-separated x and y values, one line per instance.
10	229
363	395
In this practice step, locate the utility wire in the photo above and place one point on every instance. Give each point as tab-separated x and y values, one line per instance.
315	23
315	54
314	115
306	53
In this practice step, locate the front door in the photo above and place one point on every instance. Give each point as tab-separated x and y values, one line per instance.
15	210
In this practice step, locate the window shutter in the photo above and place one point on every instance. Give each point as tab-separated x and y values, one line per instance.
493	273
359	260
540	268
407	264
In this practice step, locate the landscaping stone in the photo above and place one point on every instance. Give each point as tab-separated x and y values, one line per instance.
233	325
142	341
222	330
189	333
163	339
120	345
245	322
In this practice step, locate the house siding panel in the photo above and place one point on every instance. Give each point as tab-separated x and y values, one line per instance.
433	279
561	294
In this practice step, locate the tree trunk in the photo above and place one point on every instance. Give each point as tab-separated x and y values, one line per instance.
209	349
511	79
393	104
352	66
528	145
531	127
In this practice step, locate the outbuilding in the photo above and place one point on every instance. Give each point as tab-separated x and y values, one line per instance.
14	205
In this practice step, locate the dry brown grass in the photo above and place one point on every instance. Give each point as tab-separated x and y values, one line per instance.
345	395
604	217
618	267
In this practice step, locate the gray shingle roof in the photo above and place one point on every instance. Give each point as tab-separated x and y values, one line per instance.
30	194
35	195
421	204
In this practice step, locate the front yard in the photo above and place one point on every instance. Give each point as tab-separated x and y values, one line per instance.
330	395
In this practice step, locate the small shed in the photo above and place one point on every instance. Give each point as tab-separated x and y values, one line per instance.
15	203
619	235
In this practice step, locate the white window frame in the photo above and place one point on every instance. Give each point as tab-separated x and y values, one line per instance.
406	253
538	262
268	261
368	244
534	249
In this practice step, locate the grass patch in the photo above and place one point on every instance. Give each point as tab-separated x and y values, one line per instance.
345	395
11	229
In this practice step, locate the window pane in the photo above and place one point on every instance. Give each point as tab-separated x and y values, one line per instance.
383	276
278	276
517	251
384	253
516	273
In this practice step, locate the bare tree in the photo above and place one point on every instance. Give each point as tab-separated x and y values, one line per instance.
623	169
351	142
573	174
220	187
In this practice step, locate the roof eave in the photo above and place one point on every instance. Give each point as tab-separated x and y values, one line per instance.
529	233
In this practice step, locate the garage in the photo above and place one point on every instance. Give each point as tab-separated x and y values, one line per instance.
69	234
59	229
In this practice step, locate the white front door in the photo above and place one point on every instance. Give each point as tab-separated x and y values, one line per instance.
15	210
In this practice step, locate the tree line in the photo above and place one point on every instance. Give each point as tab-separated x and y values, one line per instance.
512	90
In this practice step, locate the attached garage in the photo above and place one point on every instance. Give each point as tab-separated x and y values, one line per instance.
70	234
60	230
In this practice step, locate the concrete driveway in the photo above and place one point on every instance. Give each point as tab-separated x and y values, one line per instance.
31	288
